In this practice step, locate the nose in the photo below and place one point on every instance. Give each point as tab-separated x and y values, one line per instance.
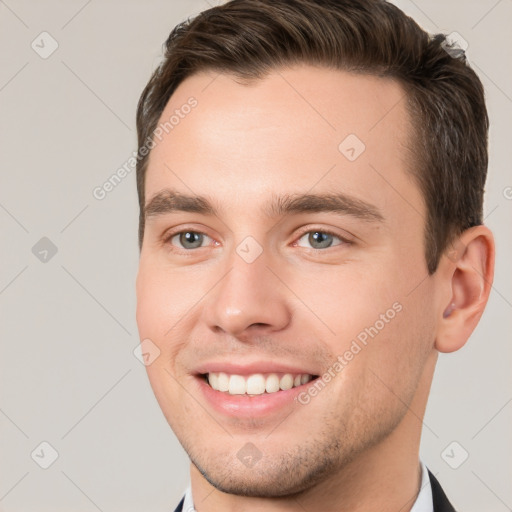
248	298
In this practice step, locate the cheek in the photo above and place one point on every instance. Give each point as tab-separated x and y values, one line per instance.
164	298
397	355
346	298
369	316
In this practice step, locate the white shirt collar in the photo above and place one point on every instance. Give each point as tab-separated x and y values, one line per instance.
188	504
423	501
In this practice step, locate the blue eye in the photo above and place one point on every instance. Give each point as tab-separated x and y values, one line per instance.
189	239
317	239
320	239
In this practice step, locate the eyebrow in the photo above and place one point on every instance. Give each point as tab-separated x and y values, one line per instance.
170	201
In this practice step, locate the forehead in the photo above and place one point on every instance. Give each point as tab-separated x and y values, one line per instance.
297	129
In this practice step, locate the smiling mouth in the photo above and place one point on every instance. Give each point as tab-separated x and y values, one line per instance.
257	383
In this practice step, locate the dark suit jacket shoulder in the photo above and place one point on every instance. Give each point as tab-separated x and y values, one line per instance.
179	508
441	502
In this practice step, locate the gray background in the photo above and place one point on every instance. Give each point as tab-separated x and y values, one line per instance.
68	373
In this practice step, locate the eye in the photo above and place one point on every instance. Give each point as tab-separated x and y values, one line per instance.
318	239
321	239
188	239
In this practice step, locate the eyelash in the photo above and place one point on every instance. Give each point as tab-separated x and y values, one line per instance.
170	236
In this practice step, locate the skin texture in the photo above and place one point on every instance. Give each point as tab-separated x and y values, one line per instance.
242	145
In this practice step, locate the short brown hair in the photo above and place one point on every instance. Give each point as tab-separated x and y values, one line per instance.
445	98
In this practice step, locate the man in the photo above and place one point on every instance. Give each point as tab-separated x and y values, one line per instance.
326	161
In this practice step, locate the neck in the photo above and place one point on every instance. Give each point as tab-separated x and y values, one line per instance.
385	478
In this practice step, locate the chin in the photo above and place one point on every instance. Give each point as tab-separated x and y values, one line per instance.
284	475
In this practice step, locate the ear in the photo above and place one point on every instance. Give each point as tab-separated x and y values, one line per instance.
468	268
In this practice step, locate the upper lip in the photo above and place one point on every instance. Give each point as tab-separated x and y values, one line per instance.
252	368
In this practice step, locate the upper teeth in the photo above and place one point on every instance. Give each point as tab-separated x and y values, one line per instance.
255	384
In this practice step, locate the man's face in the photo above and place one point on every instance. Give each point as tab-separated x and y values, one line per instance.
261	292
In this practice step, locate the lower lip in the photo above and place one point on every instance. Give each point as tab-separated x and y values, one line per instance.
249	406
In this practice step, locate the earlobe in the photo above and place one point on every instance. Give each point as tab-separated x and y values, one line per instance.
470	277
